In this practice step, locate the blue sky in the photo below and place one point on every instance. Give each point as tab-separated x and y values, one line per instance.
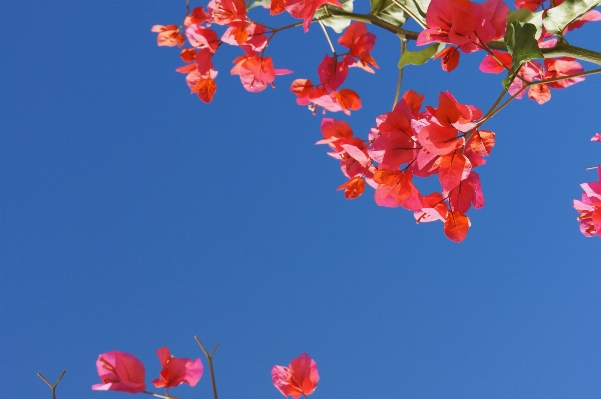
133	216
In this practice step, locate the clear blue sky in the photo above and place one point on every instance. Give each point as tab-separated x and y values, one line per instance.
133	216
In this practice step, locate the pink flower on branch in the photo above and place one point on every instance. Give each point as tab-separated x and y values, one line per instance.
120	371
177	371
305	9
255	72
590	208
299	378
168	35
463	23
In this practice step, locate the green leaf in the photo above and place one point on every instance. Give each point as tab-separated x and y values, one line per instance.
420	57
527	16
521	43
262	3
391	12
559	17
338	24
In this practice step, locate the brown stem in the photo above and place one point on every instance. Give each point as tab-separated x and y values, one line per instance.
210	360
53	387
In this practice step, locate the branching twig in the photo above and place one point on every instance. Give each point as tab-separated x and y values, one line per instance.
53	387
210	360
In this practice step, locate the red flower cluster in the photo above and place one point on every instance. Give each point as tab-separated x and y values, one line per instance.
332	73
590	206
407	142
123	372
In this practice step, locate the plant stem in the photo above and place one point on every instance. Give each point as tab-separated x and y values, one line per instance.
561	50
420	21
210	360
325	32
400	79
53	387
158	395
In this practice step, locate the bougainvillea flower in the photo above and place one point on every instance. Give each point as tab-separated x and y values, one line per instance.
539	93
120	371
168	35
253	41
482	142
464	24
360	43
395	143
177	371
434	208
353	188
450	58
590	16
456	226
299	378
414	101
491	64
197	17
332	73
531	5
558	67
225	12
399	192
277	7
200	37
305	9
530	71
256	72
590	208
454	167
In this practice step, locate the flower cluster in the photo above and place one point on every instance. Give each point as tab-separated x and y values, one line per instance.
590	205
408	142
123	372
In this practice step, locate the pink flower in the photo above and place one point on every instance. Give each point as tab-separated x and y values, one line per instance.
299	378
120	371
176	371
464	23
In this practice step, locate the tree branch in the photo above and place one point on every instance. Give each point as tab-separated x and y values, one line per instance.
561	50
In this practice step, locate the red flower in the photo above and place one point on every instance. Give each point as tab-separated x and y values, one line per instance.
299	378
120	371
168	35
176	371
464	23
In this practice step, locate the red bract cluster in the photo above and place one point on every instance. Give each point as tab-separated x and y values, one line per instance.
333	72
299	378
409	142
123	372
590	205
256	71
467	25
532	71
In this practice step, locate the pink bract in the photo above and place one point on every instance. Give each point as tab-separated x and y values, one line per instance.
120	371
299	378
177	371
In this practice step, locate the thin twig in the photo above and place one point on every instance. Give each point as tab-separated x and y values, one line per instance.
419	21
158	395
400	78
53	387
210	360
325	32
